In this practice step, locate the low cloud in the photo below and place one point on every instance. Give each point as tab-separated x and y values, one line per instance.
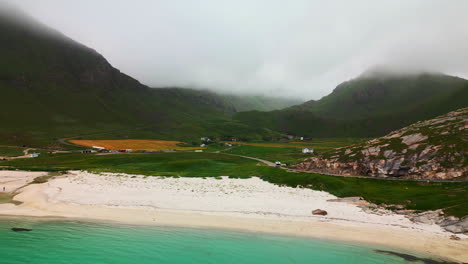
299	49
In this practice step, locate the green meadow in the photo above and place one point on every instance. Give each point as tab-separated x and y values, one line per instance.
10	151
289	152
450	196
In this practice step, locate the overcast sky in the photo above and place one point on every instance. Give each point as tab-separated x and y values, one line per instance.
294	48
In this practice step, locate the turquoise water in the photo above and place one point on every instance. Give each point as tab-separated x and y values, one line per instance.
82	242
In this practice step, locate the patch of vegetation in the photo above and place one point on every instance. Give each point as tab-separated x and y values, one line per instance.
405	162
420	163
8	198
41	179
394	144
11	151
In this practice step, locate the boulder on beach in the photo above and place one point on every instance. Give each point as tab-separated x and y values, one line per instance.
458	227
319	212
20	229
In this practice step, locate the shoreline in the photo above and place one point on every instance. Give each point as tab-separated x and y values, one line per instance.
46	202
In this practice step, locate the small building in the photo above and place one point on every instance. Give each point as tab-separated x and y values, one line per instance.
34	155
301	138
103	150
125	150
98	148
290	137
198	150
234	139
307	150
203	145
227	144
205	139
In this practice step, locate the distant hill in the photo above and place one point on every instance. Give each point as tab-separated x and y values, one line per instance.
368	106
241	103
244	103
53	87
433	149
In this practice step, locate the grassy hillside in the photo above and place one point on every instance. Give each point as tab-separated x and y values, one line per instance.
53	87
368	106
239	103
244	103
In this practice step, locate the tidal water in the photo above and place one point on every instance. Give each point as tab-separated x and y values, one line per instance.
57	241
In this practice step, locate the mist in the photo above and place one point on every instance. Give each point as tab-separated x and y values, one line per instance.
297	49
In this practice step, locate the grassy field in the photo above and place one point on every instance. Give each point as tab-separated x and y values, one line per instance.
7	151
286	156
319	143
134	144
414	195
289	152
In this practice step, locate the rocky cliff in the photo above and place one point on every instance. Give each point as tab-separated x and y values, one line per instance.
434	150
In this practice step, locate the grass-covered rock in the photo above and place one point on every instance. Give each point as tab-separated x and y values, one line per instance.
432	149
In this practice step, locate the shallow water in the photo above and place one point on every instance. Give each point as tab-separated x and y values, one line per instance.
57	241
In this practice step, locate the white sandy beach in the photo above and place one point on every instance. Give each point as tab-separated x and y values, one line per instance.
243	204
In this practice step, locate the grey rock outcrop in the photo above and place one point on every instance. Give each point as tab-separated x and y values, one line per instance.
434	150
458	227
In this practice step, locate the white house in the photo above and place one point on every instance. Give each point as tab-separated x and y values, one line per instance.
205	139
203	145
98	148
307	150
302	138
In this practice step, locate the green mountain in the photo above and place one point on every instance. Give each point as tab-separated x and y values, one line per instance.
53	87
368	106
244	103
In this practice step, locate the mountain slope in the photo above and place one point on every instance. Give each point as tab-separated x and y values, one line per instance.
239	103
244	103
368	106
52	87
432	149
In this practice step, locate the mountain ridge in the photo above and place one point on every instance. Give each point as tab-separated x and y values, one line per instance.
367	107
54	87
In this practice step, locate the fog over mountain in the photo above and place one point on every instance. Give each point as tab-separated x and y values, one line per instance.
300	48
